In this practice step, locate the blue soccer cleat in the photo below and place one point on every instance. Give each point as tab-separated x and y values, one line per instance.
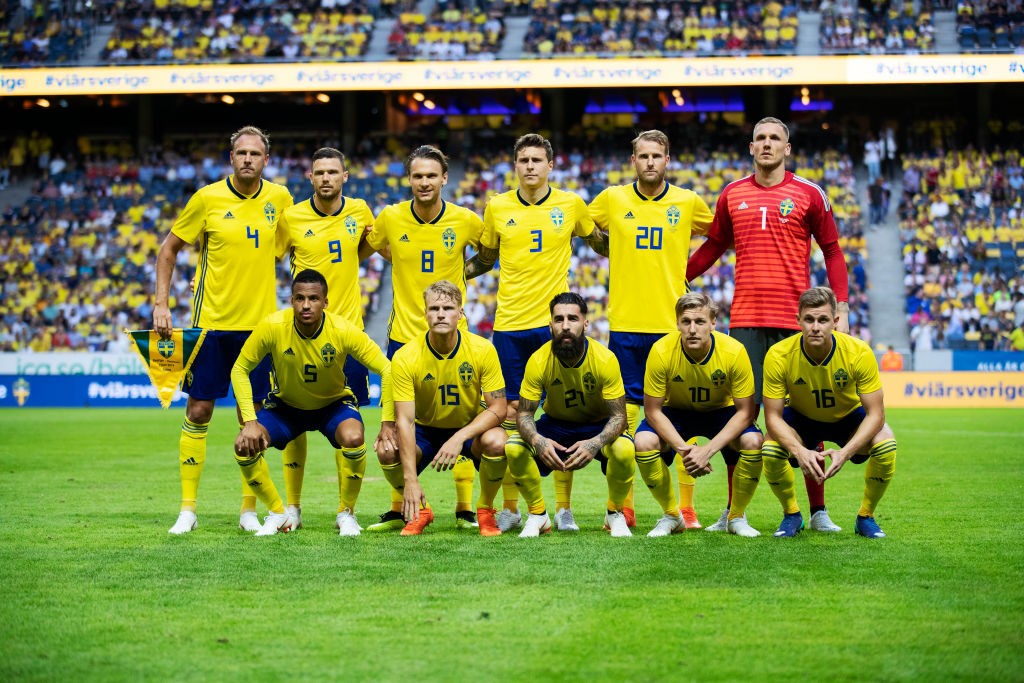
791	526
868	528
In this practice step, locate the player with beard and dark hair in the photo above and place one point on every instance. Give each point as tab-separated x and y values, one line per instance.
585	406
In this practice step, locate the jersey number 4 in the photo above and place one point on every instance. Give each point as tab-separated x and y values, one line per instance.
253	234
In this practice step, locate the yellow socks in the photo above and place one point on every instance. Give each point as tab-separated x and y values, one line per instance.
293	457
621	459
492	472
656	475
464	472
744	482
563	488
779	475
256	474
351	464
526	473
878	473
191	458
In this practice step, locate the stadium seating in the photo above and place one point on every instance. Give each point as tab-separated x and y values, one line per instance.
990	26
449	33
876	28
44	37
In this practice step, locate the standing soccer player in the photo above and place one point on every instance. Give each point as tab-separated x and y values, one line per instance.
425	239
307	348
234	222
530	230
584	417
698	382
441	381
327	234
649	223
834	394
770	218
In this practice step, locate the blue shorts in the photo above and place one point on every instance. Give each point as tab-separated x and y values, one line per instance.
358	379
566	434
514	349
632	349
210	375
691	423
813	432
430	439
392	347
285	422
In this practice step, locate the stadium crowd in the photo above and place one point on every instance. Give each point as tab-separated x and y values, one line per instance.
877	27
449	33
963	245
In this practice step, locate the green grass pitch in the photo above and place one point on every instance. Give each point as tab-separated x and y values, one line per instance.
93	587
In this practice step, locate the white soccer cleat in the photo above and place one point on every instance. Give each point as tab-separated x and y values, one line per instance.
346	523
186	522
741	527
507	519
820	521
535	526
294	513
564	521
722	524
615	522
667	526
274	523
248	521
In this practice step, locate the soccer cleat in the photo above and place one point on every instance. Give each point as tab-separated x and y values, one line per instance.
630	514
820	521
488	525
185	523
741	527
791	525
722	524
667	526
416	526
535	526
615	523
248	521
294	513
868	528
465	519
507	519
690	517
564	521
389	521
275	522
346	523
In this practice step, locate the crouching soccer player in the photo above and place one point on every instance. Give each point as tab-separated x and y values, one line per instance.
584	417
835	394
698	382
439	381
307	348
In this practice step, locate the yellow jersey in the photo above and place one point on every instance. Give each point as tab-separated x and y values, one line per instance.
446	388
826	391
309	372
329	244
235	285
578	393
705	383
648	246
421	254
534	243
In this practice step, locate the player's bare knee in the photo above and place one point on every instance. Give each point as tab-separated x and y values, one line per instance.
751	441
647	441
199	412
387	456
349	436
492	442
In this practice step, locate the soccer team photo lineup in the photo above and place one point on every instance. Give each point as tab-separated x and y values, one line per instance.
540	397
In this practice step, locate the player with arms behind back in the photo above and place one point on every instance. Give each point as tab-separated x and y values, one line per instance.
770	218
327	233
834	393
649	223
425	239
233	221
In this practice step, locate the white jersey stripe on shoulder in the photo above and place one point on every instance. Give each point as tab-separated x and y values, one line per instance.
824	195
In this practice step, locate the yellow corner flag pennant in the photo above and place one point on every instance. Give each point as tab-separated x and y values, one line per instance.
167	359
